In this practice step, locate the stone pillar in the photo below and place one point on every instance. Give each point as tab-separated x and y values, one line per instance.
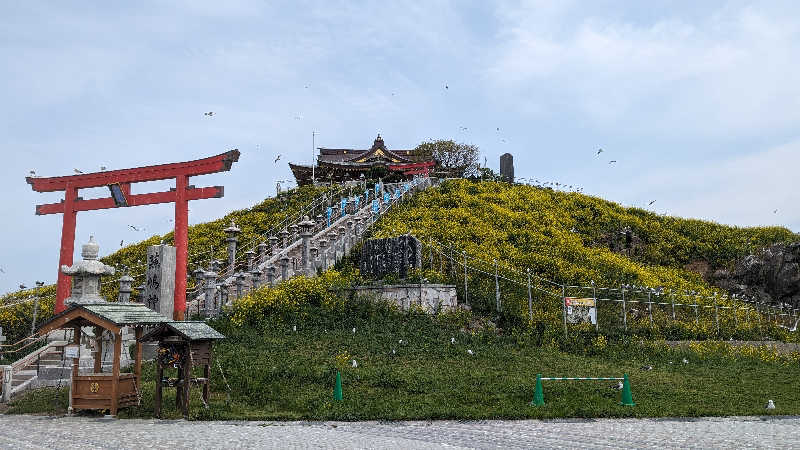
250	256
160	281
233	238
349	237
314	263
305	232
357	228
342	240
210	289
507	167
125	288
323	252
332	236
284	267
284	238
223	293
140	289
293	230
262	253
240	282
273	245
320	222
255	277
271	276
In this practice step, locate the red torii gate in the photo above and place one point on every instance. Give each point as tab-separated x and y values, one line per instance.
119	183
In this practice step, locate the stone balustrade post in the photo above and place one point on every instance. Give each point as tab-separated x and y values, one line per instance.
284	267
332	236
250	257
262	253
271	276
323	253
305	232
210	289
349	240
314	261
241	279
284	238
224	295
342	240
273	245
232	240
255	278
293	230
320	222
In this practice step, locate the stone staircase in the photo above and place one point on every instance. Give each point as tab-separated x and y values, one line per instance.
303	247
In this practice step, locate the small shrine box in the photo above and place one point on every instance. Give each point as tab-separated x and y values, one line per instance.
182	345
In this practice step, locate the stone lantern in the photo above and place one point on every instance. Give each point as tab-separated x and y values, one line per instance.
273	245
233	238
250	256
314	252
284	238
86	275
262	253
125	288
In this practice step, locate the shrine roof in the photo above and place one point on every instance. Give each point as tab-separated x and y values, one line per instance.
189	330
124	313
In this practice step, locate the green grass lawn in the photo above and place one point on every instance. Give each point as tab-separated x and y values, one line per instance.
275	373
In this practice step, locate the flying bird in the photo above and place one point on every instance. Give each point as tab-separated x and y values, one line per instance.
612	161
498	128
32	173
77	171
463	128
22	286
775	212
446	86
136	229
102	168
2	270
298	117
120	243
276	159
39	283
209	114
649	204
600	150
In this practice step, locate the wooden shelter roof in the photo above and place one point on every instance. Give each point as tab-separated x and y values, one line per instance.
189	330
111	316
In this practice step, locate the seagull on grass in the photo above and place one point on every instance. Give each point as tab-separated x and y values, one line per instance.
646	368
470	352
617	386
355	364
22	286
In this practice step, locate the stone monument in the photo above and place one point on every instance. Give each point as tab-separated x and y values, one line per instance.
159	291
398	255
507	167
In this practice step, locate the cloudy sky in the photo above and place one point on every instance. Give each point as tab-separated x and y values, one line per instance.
698	102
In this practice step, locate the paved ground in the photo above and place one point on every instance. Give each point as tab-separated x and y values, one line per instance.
34	432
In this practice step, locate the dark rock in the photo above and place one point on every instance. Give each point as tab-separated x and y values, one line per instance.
772	275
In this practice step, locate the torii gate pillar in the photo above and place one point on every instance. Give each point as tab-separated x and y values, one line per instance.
119	183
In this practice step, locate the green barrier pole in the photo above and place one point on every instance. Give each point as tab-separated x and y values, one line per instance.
627	398
538	394
337	390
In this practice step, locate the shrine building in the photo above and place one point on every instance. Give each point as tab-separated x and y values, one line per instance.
347	164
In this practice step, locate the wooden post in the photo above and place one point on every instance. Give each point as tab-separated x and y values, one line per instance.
98	354
181	238
187	381
564	307
207	385
76	339
115	374
138	362
159	388
624	311
67	246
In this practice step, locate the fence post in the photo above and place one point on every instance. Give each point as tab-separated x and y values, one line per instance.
564	307
35	311
496	288
650	307
624	310
430	248
672	298
466	293
716	313
736	317
530	299
596	308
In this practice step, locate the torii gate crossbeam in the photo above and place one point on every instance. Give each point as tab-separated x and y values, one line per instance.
181	195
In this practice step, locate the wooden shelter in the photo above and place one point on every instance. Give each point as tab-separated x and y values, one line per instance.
99	390
182	345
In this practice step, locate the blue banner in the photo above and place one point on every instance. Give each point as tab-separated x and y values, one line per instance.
366	196
344	206
330	213
375	207
356	200
377	188
386	197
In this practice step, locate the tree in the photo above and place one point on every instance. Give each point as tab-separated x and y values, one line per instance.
456	160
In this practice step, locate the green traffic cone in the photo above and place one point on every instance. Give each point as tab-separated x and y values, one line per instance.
337	390
627	398
538	393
